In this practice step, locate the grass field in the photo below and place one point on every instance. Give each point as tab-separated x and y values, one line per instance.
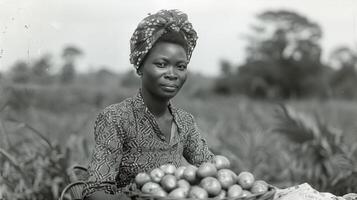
243	129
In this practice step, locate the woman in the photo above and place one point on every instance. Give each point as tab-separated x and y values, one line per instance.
146	131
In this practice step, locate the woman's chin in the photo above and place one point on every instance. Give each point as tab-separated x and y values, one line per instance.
169	94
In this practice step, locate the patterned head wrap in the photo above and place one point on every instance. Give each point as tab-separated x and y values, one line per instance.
151	28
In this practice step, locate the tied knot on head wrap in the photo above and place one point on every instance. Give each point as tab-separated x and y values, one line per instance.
151	28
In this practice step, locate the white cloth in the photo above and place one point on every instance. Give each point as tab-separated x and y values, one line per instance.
303	192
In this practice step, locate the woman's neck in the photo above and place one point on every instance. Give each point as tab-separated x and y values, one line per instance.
158	107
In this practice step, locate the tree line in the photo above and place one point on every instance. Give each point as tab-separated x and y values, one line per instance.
284	61
40	71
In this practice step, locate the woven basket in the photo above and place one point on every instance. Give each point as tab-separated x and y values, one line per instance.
137	195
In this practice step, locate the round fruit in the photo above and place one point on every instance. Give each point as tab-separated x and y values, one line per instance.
182	183
168	168
259	187
150	187
221	195
235	177
221	162
246	180
168	182
197	192
246	193
206	169
179	172
142	178
211	185
178	193
159	193
156	175
226	178
190	174
234	191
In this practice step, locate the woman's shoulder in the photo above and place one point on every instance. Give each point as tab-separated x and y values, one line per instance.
118	109
183	115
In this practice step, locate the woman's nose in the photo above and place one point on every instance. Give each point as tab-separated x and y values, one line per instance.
171	73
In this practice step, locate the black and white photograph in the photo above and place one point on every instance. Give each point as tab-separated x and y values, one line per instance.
178	100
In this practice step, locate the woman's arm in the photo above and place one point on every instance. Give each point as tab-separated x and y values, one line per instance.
196	150
107	154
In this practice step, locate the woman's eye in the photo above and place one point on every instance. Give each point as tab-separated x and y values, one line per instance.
182	67
160	65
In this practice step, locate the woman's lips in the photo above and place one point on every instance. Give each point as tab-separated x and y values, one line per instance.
169	87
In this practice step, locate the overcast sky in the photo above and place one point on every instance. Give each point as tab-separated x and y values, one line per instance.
102	29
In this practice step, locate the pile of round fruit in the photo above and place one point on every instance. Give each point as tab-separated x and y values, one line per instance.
209	180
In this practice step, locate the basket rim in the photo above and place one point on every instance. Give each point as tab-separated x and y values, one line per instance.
271	191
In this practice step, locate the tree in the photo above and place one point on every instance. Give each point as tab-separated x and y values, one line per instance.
223	84
68	73
104	75
344	80
344	57
69	55
283	51
226	68
40	70
284	34
20	72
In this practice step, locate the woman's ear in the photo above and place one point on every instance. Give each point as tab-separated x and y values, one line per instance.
139	72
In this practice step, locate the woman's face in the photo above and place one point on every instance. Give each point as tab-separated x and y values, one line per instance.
164	70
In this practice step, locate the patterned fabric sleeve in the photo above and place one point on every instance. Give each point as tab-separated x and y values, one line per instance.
107	154
196	150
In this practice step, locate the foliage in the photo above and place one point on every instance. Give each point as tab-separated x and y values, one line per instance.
30	170
224	83
320	155
20	72
283	52
41	70
104	76
38	72
284	61
57	98
343	81
69	54
68	73
284	34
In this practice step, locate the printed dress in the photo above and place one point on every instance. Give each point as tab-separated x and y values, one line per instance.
128	141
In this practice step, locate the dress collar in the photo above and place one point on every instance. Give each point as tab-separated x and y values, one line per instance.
140	105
